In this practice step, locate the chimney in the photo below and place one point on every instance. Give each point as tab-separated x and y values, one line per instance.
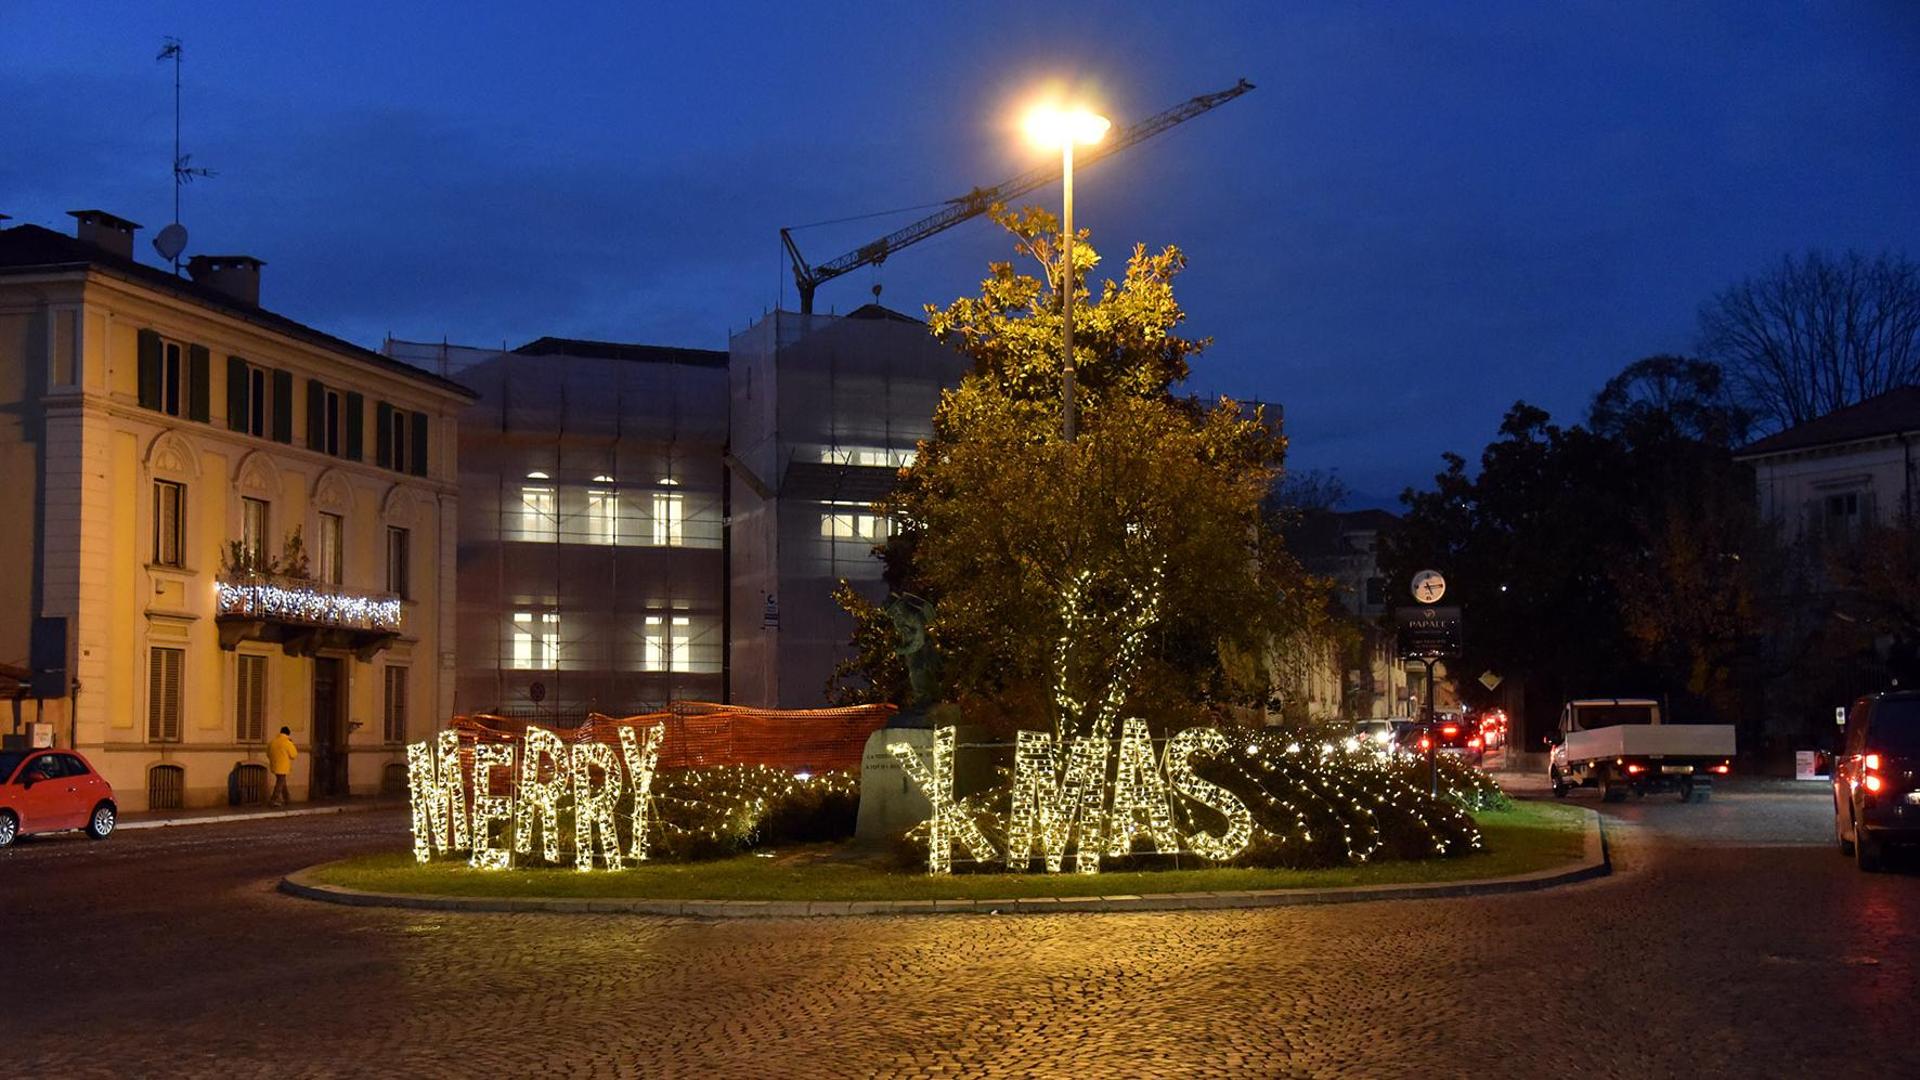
238	276
113	235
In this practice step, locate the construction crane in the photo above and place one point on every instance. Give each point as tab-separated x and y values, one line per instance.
976	202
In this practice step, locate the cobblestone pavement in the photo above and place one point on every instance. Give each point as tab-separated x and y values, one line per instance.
1733	941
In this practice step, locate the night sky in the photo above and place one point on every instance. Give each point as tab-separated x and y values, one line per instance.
1421	215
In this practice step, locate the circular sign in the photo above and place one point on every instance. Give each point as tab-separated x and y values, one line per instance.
538	692
1429	586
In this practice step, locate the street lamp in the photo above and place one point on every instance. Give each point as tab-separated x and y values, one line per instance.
1049	127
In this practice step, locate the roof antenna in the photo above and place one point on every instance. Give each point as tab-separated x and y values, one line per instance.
172	240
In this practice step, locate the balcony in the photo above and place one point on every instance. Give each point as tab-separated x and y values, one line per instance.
304	616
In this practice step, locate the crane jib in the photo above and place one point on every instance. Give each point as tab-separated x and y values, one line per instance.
976	202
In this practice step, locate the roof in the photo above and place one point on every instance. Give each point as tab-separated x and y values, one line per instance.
28	249
882	314
1368	519
1893	413
615	350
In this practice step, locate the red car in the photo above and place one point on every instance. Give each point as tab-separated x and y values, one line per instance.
51	790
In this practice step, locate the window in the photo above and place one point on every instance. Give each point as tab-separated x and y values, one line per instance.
330	423
257	383
250	699
855	525
669	513
537	519
536	640
397	438
333	561
170	379
169	523
393	725
398	541
871	456
164	668
667	644
603	516
253	533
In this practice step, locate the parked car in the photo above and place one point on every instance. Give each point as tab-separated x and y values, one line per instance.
1375	735
50	791
1876	798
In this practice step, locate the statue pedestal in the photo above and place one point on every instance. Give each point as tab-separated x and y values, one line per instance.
890	802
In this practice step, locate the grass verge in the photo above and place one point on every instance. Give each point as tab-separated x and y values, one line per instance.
1530	837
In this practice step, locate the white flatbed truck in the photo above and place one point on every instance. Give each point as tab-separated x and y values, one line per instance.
1621	746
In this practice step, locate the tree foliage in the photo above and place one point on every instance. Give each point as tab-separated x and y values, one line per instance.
1131	569
1609	559
1817	333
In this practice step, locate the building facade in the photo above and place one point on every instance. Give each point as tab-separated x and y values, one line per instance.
642	525
229	522
1830	479
1366	679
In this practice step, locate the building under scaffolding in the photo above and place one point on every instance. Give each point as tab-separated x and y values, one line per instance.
644	525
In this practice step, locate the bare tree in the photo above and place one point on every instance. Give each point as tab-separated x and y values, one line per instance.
1817	333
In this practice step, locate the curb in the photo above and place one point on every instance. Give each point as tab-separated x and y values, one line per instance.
1595	863
257	815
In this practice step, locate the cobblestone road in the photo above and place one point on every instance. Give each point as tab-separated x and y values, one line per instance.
1733	941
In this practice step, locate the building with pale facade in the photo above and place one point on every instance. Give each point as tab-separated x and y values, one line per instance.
224	522
1828	480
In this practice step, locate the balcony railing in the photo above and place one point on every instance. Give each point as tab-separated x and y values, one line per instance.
278	599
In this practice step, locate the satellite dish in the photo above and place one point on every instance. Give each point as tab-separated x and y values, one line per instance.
171	241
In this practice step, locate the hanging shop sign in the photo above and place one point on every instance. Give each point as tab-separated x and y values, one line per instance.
1064	805
1429	633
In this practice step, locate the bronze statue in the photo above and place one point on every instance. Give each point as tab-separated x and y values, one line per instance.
910	615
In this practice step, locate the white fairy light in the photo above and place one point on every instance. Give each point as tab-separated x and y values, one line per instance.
489	809
307	603
1049	802
948	823
641	756
439	796
593	805
1239	832
1139	791
536	802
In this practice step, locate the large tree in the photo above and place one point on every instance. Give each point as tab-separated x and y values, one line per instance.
1129	572
1817	333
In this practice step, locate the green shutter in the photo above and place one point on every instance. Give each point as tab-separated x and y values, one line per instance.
238	400
149	372
383	435
199	376
419	459
316	415
356	407
282	406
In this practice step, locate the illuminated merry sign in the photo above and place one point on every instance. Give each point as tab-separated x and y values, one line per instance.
1063	802
543	773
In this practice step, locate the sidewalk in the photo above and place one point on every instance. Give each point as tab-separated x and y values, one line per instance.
220	815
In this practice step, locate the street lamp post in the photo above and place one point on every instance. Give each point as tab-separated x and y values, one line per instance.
1065	127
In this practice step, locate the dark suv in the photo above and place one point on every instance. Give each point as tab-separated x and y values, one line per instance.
1876	798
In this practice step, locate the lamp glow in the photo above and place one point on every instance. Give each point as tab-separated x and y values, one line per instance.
1051	128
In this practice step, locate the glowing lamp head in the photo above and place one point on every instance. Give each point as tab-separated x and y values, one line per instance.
1051	128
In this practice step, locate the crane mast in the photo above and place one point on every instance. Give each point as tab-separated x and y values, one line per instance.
809	278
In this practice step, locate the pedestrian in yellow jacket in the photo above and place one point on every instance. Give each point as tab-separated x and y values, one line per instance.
280	755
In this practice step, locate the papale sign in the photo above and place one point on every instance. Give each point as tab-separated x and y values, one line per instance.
1063	802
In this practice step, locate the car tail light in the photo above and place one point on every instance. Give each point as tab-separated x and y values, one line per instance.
1450	729
1635	769
1722	768
1474	742
1874	783
1873	761
1426	743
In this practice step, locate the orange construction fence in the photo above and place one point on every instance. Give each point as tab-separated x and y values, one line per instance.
700	734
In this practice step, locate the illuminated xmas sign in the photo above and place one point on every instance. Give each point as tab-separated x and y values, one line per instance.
1063	801
540	773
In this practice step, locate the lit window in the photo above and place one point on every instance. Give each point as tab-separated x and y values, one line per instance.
253	533
870	456
863	525
536	640
603	512
669	511
537	520
169	523
333	559
668	644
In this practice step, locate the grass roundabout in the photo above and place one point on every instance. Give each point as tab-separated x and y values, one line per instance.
1528	838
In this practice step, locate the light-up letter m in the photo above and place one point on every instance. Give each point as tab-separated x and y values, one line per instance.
439	796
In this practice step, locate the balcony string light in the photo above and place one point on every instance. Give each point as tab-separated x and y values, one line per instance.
308	602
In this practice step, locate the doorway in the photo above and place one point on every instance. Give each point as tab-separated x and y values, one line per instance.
329	769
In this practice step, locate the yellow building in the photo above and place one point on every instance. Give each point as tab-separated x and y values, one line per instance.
219	522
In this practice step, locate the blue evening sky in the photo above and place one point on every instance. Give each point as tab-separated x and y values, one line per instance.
1425	212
